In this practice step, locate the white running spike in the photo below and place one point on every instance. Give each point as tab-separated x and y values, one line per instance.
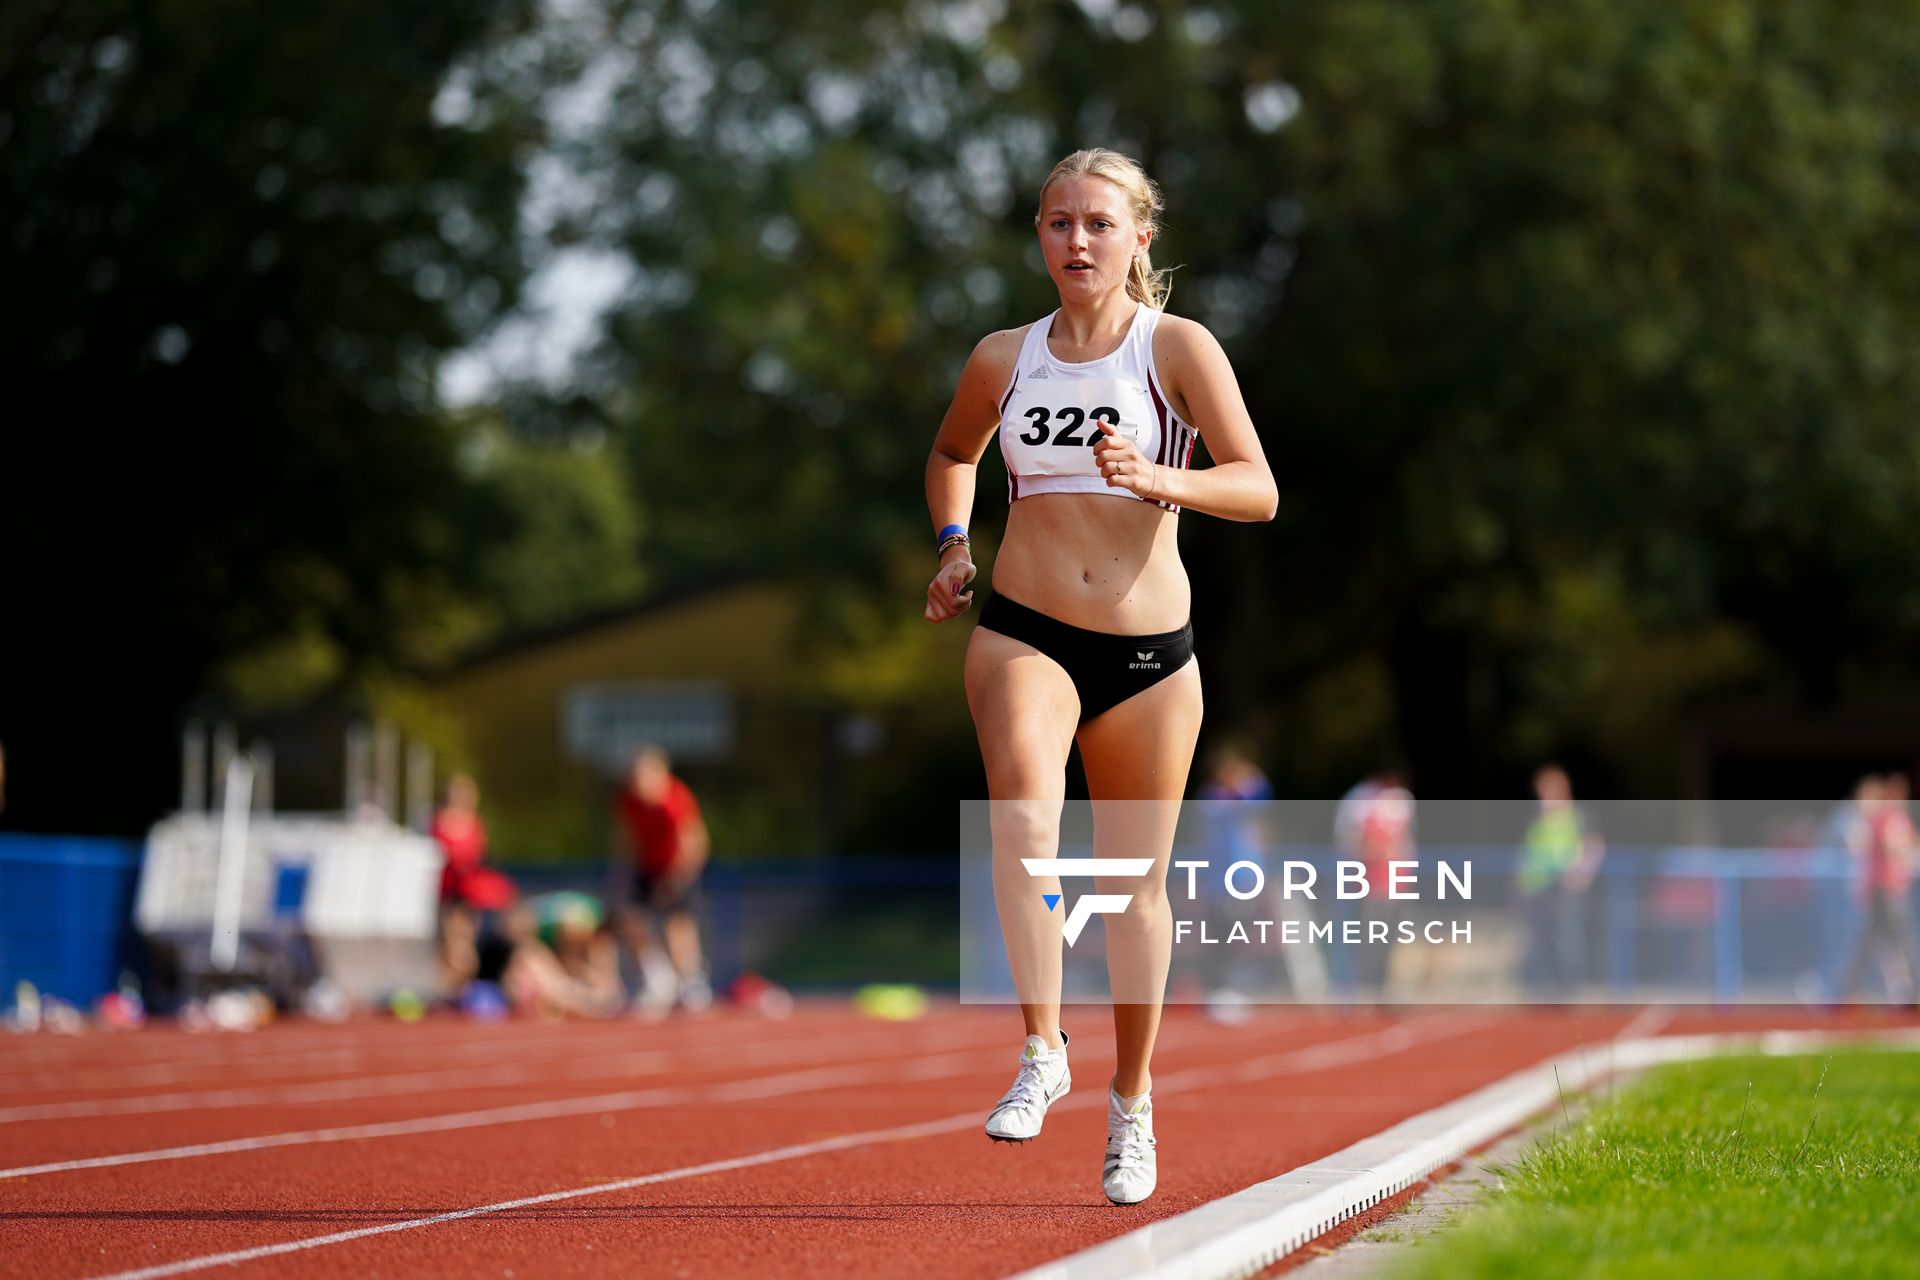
1043	1080
1130	1172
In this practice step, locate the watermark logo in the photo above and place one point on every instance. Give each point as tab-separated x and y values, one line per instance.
1087	905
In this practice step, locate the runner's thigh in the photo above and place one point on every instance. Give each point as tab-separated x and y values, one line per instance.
1024	711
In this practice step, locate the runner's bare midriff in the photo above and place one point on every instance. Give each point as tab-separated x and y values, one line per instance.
1096	561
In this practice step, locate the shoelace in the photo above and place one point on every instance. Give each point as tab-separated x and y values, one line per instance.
1130	1147
1029	1087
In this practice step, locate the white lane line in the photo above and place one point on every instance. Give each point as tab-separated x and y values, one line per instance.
134	1076
1312	1057
163	1036
846	1142
218	1058
1648	1022
1244	1233
221	1053
528	1071
395	1048
1330	1053
1308	1058
354	1043
1186	1033
627	1100
523	1071
1363	1047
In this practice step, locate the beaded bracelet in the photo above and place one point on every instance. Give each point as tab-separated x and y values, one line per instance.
953	540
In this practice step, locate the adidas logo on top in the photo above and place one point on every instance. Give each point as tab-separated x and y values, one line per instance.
1037	374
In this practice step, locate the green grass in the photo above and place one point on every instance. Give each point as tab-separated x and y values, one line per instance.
1743	1166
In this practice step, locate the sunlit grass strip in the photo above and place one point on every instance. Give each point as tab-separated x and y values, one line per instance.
1741	1166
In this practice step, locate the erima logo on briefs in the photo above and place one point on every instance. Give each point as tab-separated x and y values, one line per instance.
1146	662
1087	905
1037	374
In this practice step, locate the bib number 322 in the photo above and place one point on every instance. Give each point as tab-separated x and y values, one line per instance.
1071	419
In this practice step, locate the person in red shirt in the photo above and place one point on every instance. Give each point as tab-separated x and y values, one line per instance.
468	890
461	835
1883	841
666	850
1385	836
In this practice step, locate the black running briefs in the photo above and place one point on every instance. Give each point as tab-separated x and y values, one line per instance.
1106	669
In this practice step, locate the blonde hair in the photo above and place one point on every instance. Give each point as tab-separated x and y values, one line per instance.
1144	284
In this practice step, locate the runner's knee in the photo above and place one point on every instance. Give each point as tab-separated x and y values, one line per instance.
1149	895
1026	828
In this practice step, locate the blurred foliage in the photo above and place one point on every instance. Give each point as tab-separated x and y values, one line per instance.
565	532
1582	338
237	240
1610	295
1547	313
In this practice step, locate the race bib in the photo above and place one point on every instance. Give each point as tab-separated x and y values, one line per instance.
1049	429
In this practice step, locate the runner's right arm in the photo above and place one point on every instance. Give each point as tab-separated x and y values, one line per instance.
953	464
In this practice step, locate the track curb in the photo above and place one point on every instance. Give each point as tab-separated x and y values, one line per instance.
1242	1234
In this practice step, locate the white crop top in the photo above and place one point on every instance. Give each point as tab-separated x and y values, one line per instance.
1046	416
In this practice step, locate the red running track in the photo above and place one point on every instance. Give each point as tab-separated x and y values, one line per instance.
820	1145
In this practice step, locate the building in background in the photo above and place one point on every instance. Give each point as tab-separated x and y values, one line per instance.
727	678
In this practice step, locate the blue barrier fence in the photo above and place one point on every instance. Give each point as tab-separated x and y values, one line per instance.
1731	922
1709	924
66	908
817	924
1758	916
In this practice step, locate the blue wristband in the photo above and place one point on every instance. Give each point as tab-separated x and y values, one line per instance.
949	531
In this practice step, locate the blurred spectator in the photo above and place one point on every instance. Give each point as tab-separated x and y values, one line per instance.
564	959
1558	859
659	878
462	836
1238	825
1374	826
1841	833
1234	831
1882	843
470	893
1232	775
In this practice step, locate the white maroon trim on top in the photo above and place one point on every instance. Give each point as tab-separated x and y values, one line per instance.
1162	449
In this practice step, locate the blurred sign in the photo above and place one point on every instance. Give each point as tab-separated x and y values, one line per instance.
604	724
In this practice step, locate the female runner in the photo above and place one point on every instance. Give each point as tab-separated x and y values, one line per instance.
1087	637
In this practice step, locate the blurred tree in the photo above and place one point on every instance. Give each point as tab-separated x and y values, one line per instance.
1605	306
1581	336
1616	293
237	239
811	196
568	530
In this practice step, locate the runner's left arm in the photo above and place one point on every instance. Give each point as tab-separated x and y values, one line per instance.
1197	375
